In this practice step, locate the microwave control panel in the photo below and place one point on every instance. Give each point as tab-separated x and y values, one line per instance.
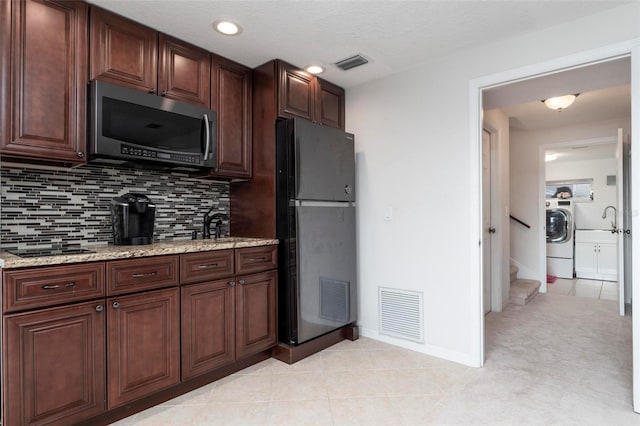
151	154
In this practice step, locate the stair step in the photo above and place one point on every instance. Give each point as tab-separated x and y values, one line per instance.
513	272
522	292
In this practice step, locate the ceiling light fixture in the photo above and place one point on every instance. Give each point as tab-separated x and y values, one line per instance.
314	69
227	27
559	103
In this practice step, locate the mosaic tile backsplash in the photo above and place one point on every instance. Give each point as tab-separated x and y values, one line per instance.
41	207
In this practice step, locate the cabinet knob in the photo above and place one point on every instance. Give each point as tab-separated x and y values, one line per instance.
99	308
152	90
164	93
241	282
80	154
232	283
116	305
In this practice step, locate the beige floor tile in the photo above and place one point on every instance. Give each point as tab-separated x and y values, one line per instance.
588	288
609	291
311	412
298	386
192	415
560	286
235	414
245	388
196	397
309	364
365	411
411	382
348	384
416	410
348	360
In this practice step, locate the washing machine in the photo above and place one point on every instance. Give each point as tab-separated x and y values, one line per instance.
560	232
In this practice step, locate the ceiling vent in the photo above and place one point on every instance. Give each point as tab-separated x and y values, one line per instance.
352	62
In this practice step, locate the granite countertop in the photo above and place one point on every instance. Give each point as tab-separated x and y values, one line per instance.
111	252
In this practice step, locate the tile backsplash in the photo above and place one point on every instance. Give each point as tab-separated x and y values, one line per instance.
40	207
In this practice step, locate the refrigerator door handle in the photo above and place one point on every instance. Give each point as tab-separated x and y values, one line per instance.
309	203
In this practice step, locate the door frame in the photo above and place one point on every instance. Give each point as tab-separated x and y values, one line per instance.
476	86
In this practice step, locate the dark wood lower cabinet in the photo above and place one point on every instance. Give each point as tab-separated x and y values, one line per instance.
143	342
255	313
53	368
207	327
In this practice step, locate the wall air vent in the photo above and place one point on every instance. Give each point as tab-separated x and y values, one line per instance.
401	314
352	62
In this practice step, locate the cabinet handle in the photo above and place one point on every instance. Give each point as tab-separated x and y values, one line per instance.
241	282
57	286
163	93
150	274
258	259
210	266
80	154
152	90
116	305
99	308
232	283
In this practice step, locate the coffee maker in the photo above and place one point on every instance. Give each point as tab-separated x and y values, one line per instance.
132	216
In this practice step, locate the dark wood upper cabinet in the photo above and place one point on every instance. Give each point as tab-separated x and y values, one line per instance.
143	342
231	85
296	97
55	365
126	53
123	52
43	78
183	72
330	104
304	95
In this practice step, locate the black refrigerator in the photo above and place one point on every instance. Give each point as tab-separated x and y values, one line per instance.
316	226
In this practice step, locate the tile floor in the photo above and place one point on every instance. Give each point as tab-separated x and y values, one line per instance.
558	360
594	289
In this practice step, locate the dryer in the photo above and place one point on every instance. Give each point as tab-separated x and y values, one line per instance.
560	233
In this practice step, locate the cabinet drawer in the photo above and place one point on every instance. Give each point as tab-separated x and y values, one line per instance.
125	276
206	266
39	287
256	259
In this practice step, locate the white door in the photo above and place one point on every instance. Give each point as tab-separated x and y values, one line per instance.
487	230
620	219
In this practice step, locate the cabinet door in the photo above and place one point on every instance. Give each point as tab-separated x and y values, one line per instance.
231	85
207	326
255	313
296	97
608	260
54	365
43	80
123	52
143	344
586	260
330	104
184	72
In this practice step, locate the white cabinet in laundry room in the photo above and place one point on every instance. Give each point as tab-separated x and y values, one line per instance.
596	255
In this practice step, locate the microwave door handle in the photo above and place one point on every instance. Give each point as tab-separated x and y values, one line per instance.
207	136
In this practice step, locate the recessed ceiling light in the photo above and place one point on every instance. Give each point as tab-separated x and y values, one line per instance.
227	27
315	69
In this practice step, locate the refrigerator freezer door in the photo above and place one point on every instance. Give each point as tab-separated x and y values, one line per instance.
326	269
325	163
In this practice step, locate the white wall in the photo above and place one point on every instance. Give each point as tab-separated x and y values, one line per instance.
412	143
497	122
588	214
525	181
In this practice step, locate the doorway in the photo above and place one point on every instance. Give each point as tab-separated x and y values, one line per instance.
477	91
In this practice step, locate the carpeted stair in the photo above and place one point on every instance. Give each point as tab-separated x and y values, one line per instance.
521	291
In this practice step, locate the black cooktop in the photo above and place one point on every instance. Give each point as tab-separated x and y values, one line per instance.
49	251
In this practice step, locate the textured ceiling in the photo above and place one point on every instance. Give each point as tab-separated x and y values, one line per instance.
393	35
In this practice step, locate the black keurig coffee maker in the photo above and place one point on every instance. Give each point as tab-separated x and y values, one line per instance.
132	216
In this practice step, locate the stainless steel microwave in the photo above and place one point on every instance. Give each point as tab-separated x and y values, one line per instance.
132	128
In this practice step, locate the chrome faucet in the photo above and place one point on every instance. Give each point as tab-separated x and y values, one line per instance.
614	222
206	226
